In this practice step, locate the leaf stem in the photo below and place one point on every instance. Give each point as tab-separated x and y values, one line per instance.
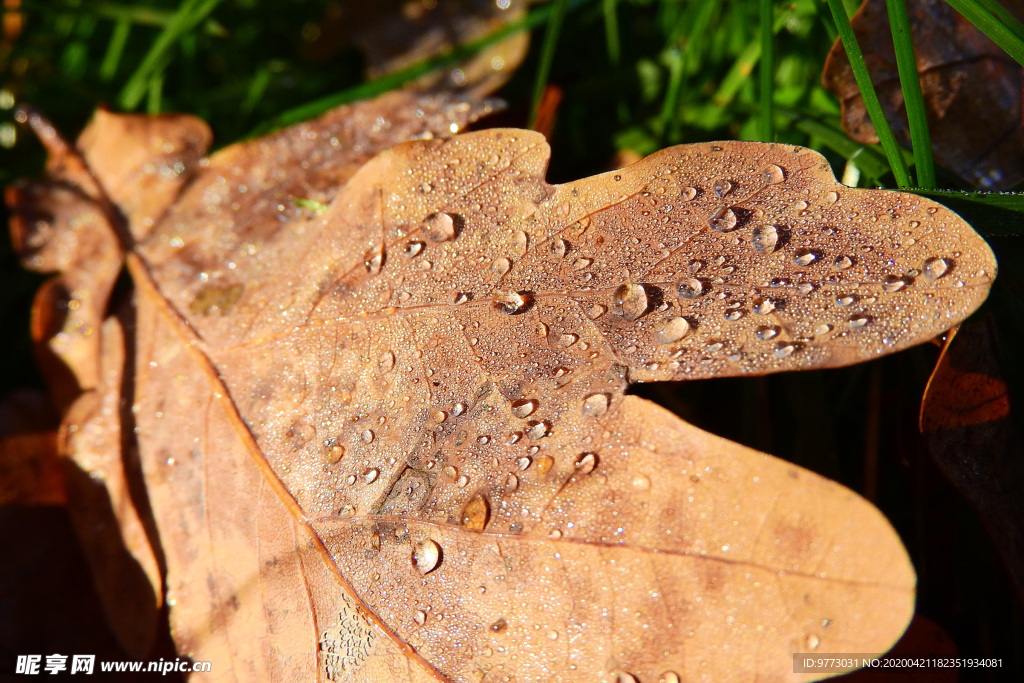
547	56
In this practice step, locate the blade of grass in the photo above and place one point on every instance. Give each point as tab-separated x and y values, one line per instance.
744	65
394	80
767	116
187	16
611	32
115	48
867	91
547	55
992	214
992	19
910	82
155	90
676	67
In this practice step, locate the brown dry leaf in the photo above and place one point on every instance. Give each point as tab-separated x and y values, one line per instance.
391	441
971	90
968	427
395	34
29	463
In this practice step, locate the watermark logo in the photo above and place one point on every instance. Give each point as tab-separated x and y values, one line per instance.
34	665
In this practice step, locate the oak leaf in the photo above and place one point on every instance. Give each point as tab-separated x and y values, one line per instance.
971	90
391	440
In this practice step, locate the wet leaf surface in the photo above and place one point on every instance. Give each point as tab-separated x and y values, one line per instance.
390	439
972	90
968	426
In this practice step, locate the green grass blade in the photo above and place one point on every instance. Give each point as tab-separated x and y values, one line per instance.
767	90
547	55
399	78
677	67
115	48
910	82
188	14
611	32
992	214
744	66
992	19
867	91
155	90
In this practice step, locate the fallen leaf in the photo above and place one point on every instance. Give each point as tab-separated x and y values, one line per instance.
29	464
969	430
971	90
391	441
396	34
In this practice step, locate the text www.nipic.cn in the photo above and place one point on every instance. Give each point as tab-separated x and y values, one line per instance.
86	664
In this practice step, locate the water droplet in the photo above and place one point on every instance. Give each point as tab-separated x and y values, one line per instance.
858	321
688	193
723	220
641	482
499	625
773	175
439	227
935	267
586	463
596	311
832	197
347	511
552	635
461	298
426	555
595	405
374	263
842	262
538	430
765	238
805	288
804	257
510	302
451	471
812	641
670	330
630	301
523	463
763	305
458	409
669	677
413	248
350	480
387	361
523	407
565	340
545	463
845	299
733	316
581	263
784	350
462	481
721	186
476	513
367	436
691	288
334	453
483	440
511	483
893	283
370	475
766	333
420	617
823	328
500	265
558	247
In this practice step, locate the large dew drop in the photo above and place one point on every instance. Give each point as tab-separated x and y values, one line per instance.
630	301
670	330
426	556
765	238
723	220
476	513
691	288
523	407
773	174
935	267
595	405
439	227
510	302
